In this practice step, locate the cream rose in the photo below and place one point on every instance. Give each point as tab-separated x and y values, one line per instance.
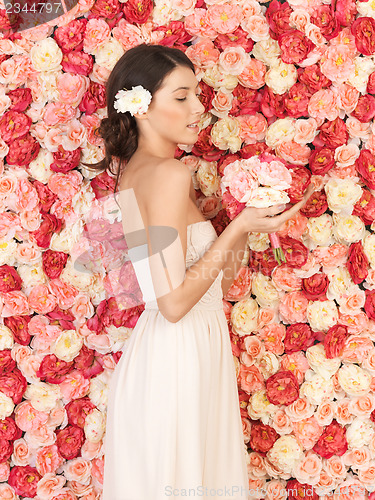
340	283
318	361
109	53
268	364
46	55
6	338
360	432
207	177
285	453
316	388
279	131
31	275
264	290
281	77
354	380
322	315
95	426
348	229
67	237
259	407
6	406
40	167
342	195
217	79
258	242
267	51
225	134
369	248
364	66
244	316
99	390
67	345
319	231
43	396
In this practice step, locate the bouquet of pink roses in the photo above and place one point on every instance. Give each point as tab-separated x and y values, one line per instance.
259	181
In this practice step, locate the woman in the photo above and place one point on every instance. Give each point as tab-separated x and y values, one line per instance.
173	418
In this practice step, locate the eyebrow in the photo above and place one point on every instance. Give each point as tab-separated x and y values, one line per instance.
185	88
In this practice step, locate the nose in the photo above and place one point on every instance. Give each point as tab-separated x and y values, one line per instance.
199	108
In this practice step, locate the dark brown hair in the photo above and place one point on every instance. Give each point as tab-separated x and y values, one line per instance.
145	65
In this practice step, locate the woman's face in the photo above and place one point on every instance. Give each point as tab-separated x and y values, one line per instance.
175	109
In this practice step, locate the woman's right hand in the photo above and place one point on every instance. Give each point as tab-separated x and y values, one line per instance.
266	220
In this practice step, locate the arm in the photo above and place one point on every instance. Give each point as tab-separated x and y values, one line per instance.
233	263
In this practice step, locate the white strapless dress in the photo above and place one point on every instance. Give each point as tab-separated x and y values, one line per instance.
173	418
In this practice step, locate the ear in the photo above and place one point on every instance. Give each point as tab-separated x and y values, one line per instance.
142	116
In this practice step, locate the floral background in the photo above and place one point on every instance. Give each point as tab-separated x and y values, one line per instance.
295	79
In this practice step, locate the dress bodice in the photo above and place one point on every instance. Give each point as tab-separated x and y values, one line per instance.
200	236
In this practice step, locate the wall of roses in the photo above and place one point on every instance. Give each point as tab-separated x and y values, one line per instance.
295	79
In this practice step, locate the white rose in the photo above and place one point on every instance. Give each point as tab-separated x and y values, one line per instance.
265	197
264	290
340	283
109	53
358	78
342	195
244	316
279	131
67	345
316	389
366	9
354	380
318	361
359	433
217	79
322	315
268	364
7	252
260	408
258	242
48	87
348	229
99	387
95	426
369	247
267	51
46	55
67	237
40	167
90	154
6	338
81	280
319	231
225	134
6	406
31	275
162	12
43	396
285	453
281	77
83	200
118	336
207	177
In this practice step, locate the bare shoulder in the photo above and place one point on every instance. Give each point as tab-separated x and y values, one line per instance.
170	171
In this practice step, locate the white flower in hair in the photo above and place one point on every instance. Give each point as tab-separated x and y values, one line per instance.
135	100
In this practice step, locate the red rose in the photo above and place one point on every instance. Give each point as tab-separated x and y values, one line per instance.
232	206
87	363
322	160
296	254
370	304
53	263
107	9
14	125
254	150
206	94
53	370
325	19
204	146
315	287
9	429
334	133
6	450
296	100
244	101
365	109
294	46
19	327
313	78
332	441
262	437
46	196
316	205
226	160
24	480
300	180
345	12
21	99
64	317
102	184
14	385
363	30
77	411
50	225
297	337
78	62
10	280
64	161
272	104
282	388
334	341
7	363
137	11
298	491
175	35
69	441
93	99
365	207
370	84
244	401
263	262
71	36
357	263
277	15
23	150
365	165
239	38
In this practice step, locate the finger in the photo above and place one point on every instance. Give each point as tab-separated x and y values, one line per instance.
270	211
